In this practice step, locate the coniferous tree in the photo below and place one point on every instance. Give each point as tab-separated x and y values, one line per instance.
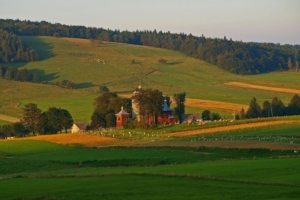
294	106
254	109
266	109
179	109
277	107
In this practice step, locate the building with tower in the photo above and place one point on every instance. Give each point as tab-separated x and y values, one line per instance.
121	118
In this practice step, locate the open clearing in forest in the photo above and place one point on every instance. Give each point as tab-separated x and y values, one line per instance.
260	87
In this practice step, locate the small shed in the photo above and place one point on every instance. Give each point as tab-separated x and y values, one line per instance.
122	117
79	127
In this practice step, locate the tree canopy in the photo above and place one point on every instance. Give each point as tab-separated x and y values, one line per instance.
12	49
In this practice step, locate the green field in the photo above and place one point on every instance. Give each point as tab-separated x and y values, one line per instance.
4	122
43	170
76	60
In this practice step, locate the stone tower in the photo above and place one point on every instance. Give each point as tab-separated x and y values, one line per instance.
135	107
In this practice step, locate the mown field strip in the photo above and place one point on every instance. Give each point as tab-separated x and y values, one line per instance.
260	87
226	128
80	139
215	105
9	118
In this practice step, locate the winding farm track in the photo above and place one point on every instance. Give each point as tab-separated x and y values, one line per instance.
260	87
9	118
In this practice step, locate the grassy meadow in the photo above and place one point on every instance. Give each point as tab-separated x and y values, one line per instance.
51	171
78	60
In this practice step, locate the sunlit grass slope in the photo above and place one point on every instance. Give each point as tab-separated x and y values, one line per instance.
90	64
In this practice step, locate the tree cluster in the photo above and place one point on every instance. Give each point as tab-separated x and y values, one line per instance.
13	130
207	115
12	49
11	73
106	106
272	108
52	121
234	56
149	102
66	84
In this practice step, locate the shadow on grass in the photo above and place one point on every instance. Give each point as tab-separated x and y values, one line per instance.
173	63
43	47
84	85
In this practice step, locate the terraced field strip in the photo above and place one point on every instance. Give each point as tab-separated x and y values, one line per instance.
208	104
9	118
80	139
260	87
227	128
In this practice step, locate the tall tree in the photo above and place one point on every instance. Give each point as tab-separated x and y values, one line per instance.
179	109
66	119
102	102
31	117
277	107
98	120
254	109
266	109
294	106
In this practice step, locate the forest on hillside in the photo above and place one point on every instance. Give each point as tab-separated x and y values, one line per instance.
12	49
235	56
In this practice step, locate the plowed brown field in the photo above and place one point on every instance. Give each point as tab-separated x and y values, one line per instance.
246	85
226	128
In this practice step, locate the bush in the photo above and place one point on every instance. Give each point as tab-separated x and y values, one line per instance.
103	89
162	61
142	125
129	125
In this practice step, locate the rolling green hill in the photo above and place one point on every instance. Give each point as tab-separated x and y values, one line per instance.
91	64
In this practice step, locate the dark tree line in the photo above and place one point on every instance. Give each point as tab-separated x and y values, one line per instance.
12	49
11	73
272	108
234	56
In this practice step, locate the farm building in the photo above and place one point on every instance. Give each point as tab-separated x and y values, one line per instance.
192	118
79	127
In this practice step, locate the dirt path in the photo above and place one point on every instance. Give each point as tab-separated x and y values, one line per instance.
9	118
246	85
226	128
